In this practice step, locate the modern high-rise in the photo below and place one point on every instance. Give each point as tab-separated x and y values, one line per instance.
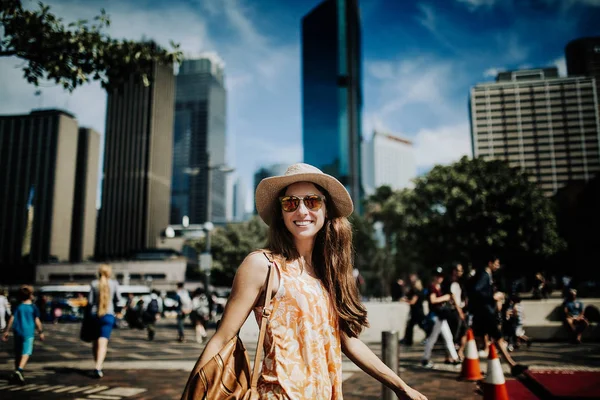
388	160
38	153
199	142
83	233
239	200
539	122
331	92
583	59
138	151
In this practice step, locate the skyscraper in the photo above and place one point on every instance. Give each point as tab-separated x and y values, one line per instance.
137	165
38	154
239	200
388	160
199	142
83	234
331	92
539	122
583	59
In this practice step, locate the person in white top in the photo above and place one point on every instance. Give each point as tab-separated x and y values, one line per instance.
184	308
458	322
4	309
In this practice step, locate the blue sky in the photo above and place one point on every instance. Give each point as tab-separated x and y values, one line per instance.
420	59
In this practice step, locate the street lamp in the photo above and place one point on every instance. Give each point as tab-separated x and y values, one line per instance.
205	258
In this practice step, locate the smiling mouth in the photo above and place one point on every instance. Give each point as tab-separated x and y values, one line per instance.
302	223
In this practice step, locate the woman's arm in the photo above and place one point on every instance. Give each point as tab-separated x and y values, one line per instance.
247	285
366	360
434	299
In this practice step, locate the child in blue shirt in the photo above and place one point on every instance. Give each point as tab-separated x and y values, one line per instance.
23	322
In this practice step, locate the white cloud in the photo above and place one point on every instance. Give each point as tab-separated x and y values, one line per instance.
491	72
442	145
429	19
411	81
475	4
561	64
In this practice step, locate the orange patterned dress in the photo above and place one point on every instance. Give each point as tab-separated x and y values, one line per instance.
303	355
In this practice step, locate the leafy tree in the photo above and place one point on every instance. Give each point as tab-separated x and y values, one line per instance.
473	208
231	244
76	53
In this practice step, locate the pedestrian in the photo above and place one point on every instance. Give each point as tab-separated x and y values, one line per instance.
439	307
184	308
514	319
483	304
457	319
4	309
104	293
23	322
316	311
200	314
574	317
414	298
152	309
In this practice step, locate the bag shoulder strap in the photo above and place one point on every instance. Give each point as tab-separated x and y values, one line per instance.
263	324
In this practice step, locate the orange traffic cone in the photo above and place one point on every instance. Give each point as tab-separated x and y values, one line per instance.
470	366
494	385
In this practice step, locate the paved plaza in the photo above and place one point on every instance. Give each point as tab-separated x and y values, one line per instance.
138	369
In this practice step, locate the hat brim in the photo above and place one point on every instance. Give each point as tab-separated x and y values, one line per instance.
268	190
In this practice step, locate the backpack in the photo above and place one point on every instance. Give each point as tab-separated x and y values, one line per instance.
149	315
153	307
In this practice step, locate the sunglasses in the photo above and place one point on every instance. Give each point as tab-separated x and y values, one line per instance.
313	202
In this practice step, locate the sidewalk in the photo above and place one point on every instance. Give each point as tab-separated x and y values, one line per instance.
138	369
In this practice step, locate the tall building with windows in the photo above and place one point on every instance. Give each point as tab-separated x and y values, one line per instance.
199	142
331	92
583	59
136	187
83	234
239	200
388	160
39	161
539	122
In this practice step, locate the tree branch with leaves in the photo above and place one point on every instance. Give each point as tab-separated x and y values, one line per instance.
75	53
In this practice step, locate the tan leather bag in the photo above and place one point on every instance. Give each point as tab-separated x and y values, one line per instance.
227	374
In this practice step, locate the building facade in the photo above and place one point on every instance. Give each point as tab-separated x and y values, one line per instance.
583	59
539	122
83	233
138	154
38	154
199	142
331	92
239	200
388	160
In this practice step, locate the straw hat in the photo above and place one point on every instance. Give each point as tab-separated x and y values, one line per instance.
268	190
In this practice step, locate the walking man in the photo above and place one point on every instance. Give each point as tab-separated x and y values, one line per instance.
482	302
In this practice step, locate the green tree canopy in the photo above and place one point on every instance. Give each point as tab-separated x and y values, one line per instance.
231	244
473	208
75	53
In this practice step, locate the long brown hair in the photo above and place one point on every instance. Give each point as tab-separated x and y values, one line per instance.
105	271
331	260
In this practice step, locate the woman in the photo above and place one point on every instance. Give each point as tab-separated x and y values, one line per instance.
437	307
316	310
103	292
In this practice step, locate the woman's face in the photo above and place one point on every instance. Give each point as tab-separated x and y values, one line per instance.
304	223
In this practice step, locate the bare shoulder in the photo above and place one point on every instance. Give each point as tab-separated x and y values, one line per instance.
253	269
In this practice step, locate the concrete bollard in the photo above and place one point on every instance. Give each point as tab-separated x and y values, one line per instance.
389	355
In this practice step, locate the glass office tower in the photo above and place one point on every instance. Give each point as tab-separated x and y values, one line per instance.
331	92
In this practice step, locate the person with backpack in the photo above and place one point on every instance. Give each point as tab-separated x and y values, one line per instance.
200	314
151	313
